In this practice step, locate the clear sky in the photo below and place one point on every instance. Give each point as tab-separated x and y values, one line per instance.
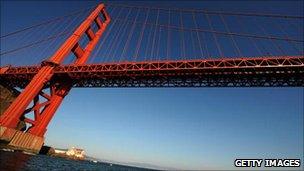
185	128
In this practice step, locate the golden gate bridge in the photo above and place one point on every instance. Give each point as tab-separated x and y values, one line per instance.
117	45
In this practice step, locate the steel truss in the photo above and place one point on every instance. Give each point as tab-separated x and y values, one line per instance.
241	72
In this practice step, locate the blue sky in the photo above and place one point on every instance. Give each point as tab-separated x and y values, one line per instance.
186	128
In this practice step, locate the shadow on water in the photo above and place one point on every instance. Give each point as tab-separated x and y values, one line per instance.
16	161
13	160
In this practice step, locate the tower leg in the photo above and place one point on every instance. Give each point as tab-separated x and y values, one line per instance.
57	96
32	139
11	117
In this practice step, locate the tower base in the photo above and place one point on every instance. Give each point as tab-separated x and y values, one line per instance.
6	134
18	140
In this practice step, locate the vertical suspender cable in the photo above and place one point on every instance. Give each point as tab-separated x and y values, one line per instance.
182	36
197	34
251	39
267	34
158	43
141	36
129	36
114	36
124	23
154	35
286	36
232	37
105	38
148	42
168	36
214	36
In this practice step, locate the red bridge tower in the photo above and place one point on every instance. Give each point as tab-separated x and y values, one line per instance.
33	138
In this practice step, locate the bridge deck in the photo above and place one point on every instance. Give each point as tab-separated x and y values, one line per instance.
241	72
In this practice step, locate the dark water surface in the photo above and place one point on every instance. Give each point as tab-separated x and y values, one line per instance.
20	161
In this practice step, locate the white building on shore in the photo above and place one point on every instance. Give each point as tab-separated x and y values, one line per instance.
72	152
76	152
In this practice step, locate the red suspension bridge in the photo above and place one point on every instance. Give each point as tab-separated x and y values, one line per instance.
132	46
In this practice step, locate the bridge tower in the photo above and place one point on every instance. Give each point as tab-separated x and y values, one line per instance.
35	98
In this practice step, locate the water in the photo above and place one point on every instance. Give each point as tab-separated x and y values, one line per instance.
21	161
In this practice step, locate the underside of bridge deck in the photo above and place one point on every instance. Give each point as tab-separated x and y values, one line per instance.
242	72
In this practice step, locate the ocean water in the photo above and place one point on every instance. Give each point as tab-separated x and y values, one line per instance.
20	161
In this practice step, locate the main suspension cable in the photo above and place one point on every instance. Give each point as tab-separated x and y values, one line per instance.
46	22
209	12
